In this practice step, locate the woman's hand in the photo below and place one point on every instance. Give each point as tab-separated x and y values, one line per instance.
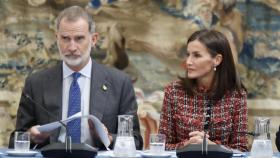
196	137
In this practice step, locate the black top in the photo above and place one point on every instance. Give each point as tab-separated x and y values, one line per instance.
277	140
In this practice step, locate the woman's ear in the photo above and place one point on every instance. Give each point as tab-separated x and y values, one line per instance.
218	59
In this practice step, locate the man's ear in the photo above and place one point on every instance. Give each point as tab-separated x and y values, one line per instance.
94	38
218	59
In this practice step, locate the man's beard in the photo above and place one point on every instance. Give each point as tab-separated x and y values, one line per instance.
75	61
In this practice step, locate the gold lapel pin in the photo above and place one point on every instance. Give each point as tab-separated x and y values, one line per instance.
104	87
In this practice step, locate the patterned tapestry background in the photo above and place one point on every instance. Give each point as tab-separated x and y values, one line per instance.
144	38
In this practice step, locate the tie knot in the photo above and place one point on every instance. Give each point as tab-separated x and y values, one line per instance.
76	75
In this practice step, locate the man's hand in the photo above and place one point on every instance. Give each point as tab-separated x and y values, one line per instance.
94	133
36	136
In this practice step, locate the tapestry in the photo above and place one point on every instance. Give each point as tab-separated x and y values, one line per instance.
144	38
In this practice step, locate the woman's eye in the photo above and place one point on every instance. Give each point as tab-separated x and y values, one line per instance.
197	55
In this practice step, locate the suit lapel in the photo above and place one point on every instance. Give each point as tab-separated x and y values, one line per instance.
53	95
99	90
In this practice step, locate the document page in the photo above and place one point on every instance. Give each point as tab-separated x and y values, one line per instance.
54	125
100	130
97	124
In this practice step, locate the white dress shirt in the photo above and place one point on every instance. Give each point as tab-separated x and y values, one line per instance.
84	83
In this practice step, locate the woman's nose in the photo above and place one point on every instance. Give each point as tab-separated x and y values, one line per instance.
188	61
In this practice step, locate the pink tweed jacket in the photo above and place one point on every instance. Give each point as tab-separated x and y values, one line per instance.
182	114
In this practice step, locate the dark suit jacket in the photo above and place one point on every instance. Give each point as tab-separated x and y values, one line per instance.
277	141
45	88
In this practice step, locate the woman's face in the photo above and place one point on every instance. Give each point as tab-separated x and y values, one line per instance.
199	63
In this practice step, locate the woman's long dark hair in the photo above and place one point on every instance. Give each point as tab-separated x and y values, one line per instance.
226	77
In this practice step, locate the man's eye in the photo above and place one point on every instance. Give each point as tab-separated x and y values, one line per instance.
65	38
80	38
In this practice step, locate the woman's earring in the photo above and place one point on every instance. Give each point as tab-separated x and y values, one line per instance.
215	68
184	65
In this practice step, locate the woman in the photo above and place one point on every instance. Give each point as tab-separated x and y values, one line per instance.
209	99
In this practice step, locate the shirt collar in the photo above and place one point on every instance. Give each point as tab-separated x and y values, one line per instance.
85	71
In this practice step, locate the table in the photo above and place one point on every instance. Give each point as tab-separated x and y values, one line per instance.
109	154
106	154
3	154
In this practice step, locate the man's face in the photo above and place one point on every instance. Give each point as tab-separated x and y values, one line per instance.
74	42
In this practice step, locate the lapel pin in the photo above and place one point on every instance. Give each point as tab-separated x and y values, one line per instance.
104	87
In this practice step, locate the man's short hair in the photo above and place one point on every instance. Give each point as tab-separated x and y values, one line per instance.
73	14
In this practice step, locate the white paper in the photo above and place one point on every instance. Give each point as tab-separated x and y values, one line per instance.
100	130
54	125
97	124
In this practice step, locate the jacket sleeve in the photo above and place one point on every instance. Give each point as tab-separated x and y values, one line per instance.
25	114
240	123
167	121
277	140
128	106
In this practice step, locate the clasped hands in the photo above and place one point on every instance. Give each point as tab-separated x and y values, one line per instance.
38	137
196	137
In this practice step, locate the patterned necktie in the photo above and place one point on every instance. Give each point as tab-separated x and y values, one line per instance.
74	127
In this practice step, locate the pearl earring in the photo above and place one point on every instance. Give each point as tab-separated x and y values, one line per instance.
215	68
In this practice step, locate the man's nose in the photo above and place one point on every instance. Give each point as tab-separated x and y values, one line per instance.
72	46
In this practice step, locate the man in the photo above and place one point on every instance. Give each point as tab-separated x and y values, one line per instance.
76	84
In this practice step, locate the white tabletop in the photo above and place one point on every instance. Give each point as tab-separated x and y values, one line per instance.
139	154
